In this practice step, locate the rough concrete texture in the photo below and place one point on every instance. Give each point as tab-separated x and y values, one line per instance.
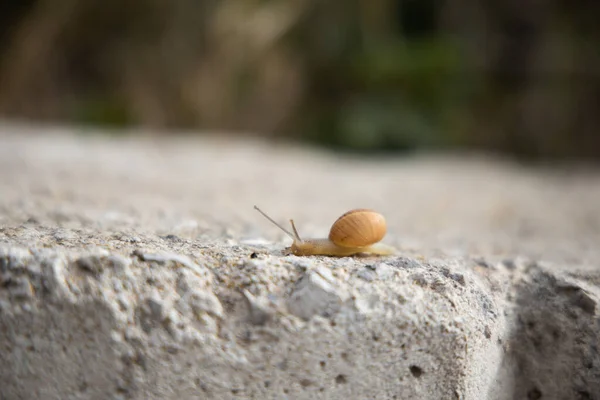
136	268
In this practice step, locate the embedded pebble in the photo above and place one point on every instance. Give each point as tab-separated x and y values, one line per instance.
315	295
385	271
508	264
367	274
20	288
204	302
167	257
405	263
303	263
259	313
93	263
119	263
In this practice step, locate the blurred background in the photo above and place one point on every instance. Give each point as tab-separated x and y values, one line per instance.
517	77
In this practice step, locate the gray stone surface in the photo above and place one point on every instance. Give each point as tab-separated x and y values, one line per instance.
136	267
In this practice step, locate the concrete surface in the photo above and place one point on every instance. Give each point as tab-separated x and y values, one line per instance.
137	268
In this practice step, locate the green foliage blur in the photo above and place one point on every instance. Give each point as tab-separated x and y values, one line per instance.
357	75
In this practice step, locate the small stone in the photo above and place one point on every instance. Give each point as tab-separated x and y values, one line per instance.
117	285
419	279
367	274
208	324
578	297
508	264
314	295
345	262
62	236
172	238
405	263
259	313
438	285
483	263
299	262
385	271
204	302
151	313
171	323
123	302
460	278
54	276
188	280
119	263
164	258
367	302
325	273
12	259
92	263
156	307
20	288
586	302
487	332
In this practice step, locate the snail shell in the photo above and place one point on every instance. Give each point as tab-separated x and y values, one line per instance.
358	228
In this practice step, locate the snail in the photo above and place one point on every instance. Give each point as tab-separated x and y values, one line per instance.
356	231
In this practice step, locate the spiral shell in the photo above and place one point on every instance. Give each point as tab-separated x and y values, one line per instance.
358	228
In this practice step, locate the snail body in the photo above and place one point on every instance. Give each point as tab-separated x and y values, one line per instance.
325	247
355	232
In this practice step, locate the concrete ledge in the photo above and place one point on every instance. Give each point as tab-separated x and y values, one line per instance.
155	326
106	292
